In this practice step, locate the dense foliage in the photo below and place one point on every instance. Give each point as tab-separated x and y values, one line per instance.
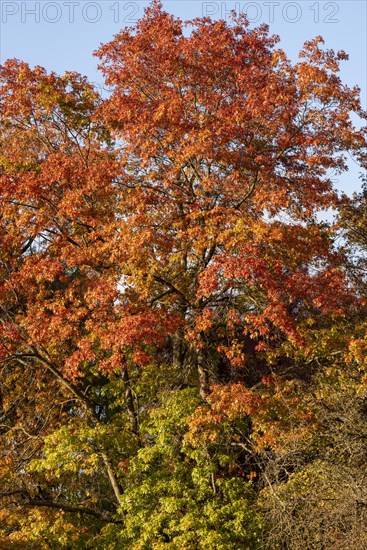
183	343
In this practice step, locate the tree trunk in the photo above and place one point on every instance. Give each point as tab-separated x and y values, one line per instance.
202	374
178	351
111	476
129	401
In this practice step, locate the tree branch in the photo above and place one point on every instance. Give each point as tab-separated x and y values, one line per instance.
67	508
171	286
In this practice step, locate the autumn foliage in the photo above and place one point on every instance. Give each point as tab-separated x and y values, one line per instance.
180	334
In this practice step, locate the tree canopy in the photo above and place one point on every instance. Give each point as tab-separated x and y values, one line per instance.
183	343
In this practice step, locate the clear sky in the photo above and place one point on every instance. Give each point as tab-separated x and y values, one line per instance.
62	34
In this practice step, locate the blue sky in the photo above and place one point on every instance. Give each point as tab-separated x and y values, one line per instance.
62	34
